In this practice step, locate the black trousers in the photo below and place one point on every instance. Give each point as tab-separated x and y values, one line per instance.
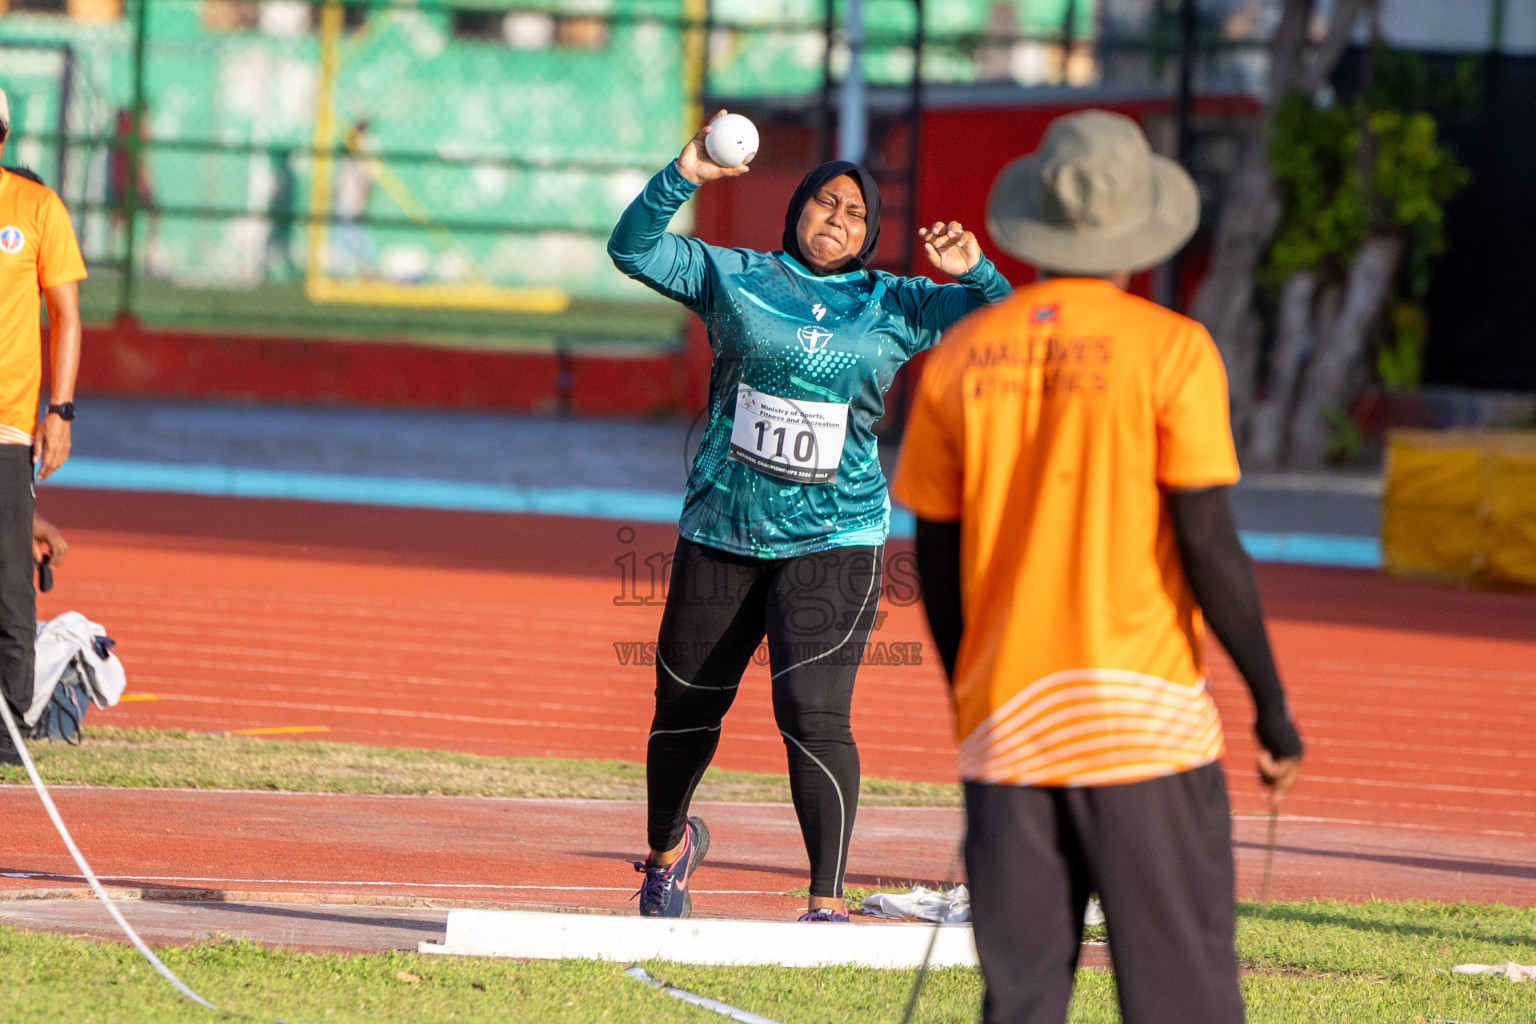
817	612
18	601
1158	853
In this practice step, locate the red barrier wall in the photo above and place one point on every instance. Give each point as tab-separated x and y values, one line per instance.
125	359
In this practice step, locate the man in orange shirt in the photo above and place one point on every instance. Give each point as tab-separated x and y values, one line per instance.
1069	459
38	256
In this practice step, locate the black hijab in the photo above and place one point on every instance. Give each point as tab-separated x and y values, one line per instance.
809	185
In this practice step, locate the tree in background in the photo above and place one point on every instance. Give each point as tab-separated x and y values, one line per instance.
1363	191
1331	218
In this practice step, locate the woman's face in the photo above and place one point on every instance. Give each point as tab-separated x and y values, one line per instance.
831	228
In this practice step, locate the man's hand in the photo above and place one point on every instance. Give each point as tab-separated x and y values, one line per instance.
695	165
47	542
950	247
1279	774
51	445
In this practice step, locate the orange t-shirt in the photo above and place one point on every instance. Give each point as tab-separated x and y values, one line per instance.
37	251
1049	425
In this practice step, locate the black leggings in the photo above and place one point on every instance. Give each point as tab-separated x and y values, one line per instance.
817	611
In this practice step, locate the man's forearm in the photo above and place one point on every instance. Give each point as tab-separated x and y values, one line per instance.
1221	577
64	340
938	568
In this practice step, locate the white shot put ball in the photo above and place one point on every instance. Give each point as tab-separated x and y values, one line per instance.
732	140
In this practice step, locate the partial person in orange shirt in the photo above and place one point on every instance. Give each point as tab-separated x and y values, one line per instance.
39	258
1069	459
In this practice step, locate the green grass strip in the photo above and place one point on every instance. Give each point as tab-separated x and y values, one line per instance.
189	760
1325	961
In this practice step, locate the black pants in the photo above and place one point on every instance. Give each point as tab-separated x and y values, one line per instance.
1158	853
817	611
18	601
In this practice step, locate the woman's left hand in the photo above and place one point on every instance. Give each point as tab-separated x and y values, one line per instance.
950	247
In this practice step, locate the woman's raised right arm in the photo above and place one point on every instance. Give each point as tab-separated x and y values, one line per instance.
640	245
642	248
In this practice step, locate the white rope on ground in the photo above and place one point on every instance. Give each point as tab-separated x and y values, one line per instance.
724	1009
85	869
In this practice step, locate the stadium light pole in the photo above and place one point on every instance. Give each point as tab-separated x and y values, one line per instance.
1188	55
135	154
853	122
824	124
1167	278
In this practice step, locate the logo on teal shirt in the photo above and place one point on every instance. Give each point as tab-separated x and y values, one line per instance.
813	339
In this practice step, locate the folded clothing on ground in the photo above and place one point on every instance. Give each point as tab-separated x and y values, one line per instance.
72	639
952	907
921	904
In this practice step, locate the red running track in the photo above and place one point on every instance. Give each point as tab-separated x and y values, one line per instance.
575	854
497	634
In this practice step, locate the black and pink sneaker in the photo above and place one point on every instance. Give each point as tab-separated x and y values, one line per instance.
664	893
825	914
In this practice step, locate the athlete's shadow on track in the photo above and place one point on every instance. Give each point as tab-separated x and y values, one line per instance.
269	910
165	895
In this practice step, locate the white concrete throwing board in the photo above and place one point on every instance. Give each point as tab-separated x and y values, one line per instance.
712	941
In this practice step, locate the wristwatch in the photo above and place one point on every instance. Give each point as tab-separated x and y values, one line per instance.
66	410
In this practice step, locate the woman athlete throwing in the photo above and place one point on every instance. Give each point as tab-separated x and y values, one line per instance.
786	511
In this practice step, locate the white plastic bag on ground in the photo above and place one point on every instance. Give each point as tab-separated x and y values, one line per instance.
59	641
1512	971
952	907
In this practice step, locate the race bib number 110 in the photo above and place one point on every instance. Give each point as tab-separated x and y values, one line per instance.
792	440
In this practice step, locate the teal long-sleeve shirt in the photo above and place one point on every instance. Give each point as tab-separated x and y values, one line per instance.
789	462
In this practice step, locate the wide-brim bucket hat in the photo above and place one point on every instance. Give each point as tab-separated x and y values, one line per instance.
1094	199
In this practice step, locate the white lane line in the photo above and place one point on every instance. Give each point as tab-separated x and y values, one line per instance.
189	609
318	645
138	879
147	711
1365	823
465	696
1439	810
1367	668
1433	755
177	623
612	687
398	607
1460	769
366	712
1419	786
